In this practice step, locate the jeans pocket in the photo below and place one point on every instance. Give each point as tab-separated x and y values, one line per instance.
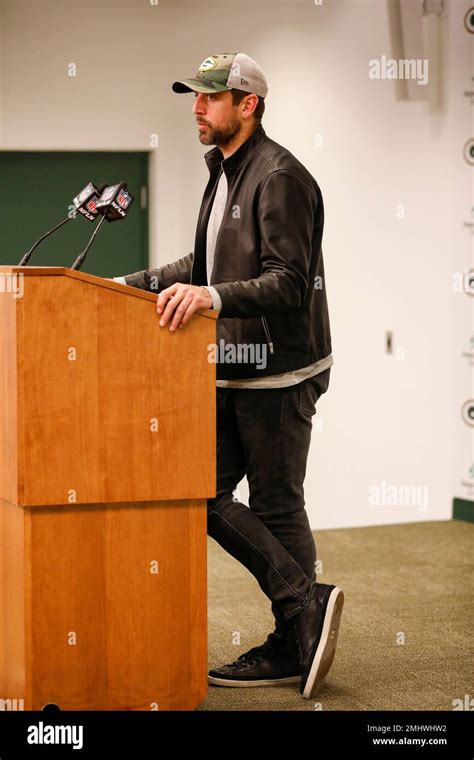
308	396
311	389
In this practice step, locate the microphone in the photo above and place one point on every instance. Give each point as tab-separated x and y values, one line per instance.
114	204
84	203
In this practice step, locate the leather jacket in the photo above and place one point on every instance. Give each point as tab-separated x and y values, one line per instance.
268	262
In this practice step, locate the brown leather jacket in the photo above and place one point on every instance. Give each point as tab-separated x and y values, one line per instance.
268	262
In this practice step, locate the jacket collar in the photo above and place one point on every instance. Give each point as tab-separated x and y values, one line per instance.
214	157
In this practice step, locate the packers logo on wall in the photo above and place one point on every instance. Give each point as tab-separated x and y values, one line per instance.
468	151
467	412
469	20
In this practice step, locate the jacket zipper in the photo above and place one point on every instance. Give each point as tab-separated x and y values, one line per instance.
267	333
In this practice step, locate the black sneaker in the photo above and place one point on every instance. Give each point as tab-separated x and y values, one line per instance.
316	628
271	664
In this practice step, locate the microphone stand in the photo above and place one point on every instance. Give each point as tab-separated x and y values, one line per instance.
82	256
24	260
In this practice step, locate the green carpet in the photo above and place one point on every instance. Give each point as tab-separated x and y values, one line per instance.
413	581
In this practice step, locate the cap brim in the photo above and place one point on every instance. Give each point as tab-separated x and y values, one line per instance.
196	85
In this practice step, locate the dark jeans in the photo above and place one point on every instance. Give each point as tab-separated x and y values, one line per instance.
265	434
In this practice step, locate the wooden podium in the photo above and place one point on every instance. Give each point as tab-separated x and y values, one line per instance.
107	457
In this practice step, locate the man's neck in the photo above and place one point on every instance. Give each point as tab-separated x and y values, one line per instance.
230	148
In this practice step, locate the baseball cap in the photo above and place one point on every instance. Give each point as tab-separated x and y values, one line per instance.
226	71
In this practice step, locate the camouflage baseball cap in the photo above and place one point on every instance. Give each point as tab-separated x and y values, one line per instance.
226	71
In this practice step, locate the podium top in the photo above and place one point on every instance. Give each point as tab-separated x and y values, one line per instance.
92	279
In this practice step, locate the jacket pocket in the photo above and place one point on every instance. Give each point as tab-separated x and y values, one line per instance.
267	333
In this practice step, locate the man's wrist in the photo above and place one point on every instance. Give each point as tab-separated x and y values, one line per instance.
215	297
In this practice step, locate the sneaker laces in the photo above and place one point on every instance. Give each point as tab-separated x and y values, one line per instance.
269	649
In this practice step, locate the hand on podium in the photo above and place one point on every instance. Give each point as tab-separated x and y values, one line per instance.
180	301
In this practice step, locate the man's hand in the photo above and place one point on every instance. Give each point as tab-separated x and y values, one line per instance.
181	301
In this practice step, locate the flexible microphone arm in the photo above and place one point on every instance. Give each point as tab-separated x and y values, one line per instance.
82	256
24	260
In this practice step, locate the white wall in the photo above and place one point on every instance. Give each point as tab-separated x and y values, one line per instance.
384	418
461	211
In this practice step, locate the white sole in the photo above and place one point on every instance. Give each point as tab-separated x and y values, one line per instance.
326	648
243	684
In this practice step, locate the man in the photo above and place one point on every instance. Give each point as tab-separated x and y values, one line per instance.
258	261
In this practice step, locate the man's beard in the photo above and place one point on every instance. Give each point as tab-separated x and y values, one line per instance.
220	135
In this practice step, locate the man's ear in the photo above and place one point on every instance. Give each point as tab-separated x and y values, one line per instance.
251	102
